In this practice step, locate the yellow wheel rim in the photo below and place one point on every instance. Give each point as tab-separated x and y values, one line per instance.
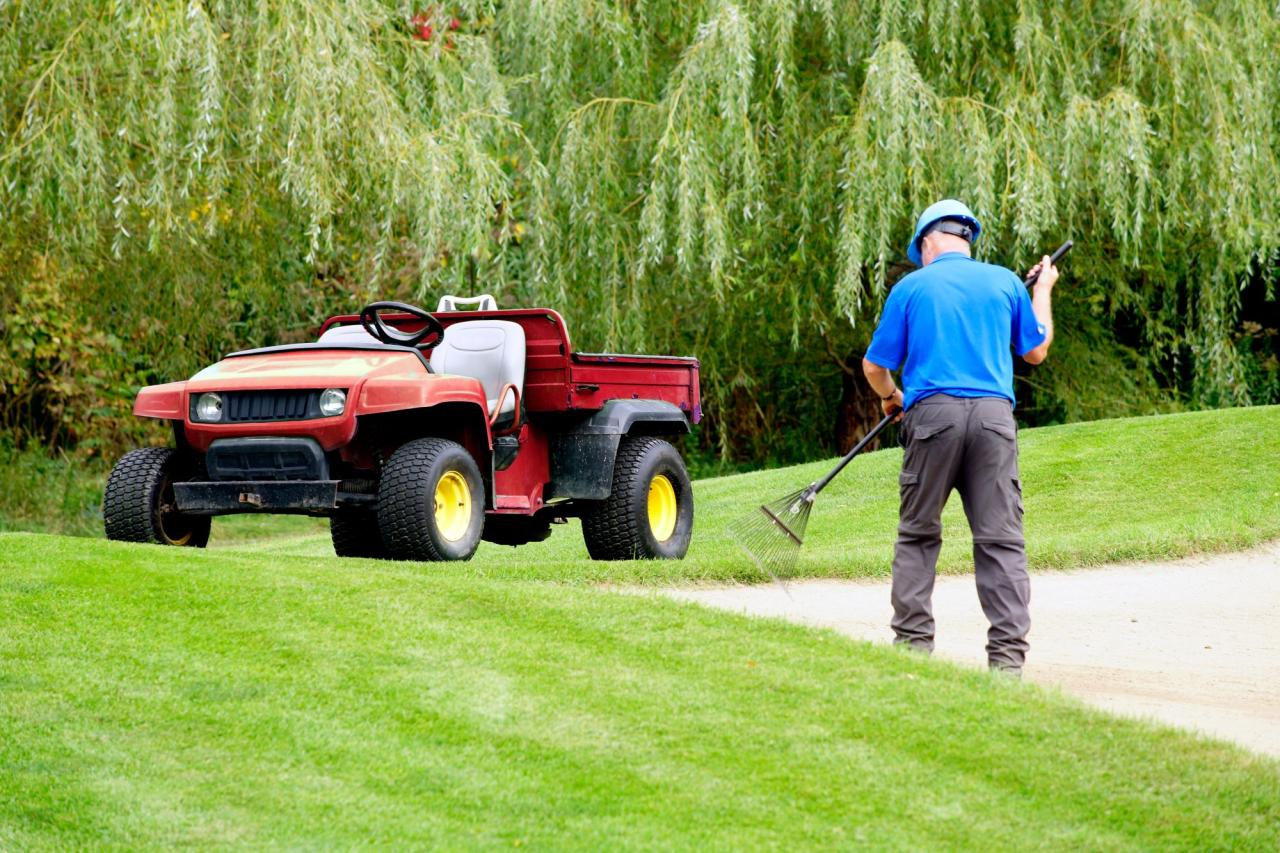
166	498
181	540
663	508
453	506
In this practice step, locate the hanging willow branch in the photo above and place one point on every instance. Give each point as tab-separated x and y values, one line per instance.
172	116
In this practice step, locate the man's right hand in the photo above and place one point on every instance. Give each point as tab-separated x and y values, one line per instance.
893	404
1048	274
1041	304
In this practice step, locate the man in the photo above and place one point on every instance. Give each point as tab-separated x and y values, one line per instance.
951	326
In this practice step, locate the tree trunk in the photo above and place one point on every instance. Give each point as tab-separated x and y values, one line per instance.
859	408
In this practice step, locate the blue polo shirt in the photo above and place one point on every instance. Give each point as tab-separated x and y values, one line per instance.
950	326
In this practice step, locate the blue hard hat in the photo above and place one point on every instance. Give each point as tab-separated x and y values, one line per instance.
948	208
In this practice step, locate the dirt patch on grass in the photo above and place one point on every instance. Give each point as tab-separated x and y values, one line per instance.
1194	642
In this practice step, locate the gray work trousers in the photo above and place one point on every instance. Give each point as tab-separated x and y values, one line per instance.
971	445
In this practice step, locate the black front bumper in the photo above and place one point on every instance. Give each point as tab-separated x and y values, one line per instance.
304	497
234	460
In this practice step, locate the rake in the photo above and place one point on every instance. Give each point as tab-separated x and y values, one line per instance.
773	534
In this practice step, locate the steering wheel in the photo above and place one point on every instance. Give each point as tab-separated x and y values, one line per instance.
373	323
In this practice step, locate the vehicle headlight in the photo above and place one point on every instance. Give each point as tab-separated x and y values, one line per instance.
209	407
333	402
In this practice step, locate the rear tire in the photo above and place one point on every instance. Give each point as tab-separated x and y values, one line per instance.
355	533
138	503
649	513
431	502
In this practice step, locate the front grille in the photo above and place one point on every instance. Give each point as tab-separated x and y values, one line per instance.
266	406
239	406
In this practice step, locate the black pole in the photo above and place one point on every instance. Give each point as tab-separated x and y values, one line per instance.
1053	259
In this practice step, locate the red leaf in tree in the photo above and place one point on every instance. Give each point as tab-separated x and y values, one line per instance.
420	25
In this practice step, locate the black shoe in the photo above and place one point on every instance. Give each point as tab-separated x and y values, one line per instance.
920	647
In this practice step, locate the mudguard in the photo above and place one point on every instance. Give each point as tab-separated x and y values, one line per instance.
381	395
162	401
582	456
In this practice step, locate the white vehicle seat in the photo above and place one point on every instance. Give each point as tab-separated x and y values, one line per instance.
349	335
489	350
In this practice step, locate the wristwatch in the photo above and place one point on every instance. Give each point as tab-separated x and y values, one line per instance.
890	396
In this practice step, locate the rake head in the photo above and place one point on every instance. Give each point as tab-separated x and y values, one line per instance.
773	533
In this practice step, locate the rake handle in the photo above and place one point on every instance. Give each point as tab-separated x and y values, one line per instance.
1053	260
848	457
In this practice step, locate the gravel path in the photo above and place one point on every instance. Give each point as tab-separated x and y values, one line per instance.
1195	642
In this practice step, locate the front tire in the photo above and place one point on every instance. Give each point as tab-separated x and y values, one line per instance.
649	513
355	534
138	503
431	502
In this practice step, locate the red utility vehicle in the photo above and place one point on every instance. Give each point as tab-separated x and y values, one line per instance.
419	434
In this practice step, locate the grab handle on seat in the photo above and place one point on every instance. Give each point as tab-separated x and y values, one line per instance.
497	409
483	302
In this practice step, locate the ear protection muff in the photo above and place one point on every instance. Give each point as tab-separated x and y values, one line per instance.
951	226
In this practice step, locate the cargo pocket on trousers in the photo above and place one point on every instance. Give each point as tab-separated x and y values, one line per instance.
1017	495
907	482
909	509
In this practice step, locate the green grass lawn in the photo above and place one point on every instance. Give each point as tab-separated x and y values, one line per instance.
1137	488
152	697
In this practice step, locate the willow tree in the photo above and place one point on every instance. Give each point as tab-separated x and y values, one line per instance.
734	179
